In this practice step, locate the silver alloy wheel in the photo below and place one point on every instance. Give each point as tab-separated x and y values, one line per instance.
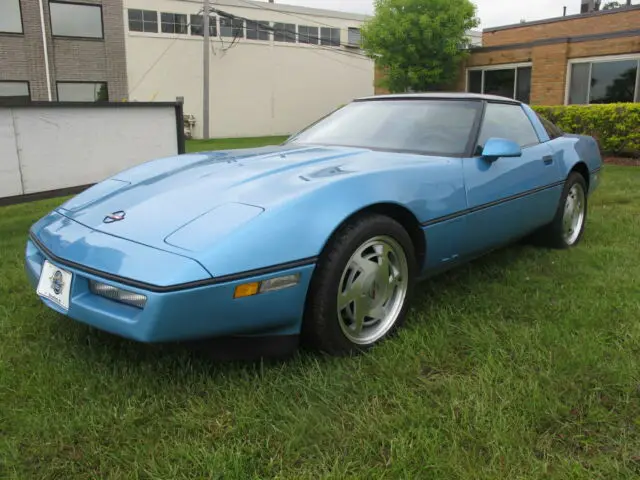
574	213
372	290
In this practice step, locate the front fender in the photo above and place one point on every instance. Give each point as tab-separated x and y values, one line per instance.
300	227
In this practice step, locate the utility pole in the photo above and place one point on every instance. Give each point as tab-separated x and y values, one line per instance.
205	73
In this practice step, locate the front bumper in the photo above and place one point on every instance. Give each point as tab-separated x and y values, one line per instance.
185	314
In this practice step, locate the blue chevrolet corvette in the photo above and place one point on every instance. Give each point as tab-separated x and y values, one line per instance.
322	238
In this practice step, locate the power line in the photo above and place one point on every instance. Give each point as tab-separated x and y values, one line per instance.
264	7
160	57
260	24
152	66
343	63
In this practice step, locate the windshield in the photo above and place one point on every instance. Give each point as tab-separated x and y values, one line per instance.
436	127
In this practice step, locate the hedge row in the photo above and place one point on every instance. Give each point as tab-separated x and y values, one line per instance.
616	126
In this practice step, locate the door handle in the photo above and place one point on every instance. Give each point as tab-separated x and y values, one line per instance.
548	160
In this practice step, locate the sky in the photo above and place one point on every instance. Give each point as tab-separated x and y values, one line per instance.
492	13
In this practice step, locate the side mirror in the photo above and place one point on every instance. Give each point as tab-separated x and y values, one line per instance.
495	148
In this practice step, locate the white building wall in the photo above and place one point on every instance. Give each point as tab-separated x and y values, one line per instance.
257	87
476	38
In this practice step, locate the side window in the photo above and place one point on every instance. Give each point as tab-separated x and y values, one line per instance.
552	130
507	121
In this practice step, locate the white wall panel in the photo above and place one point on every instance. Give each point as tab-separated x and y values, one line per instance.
10	181
55	147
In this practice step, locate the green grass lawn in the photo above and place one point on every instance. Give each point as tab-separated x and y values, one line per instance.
225	143
524	364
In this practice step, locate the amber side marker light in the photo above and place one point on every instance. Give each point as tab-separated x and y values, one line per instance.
270	285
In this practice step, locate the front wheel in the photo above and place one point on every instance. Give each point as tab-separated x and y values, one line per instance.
567	228
362	286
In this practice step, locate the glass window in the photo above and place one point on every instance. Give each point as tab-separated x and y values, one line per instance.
475	81
231	27
439	127
173	23
258	31
330	36
74	20
197	26
308	35
11	92
354	36
523	87
509	122
284	32
499	82
82	92
552	129
604	82
613	82
143	21
579	88
10	16
514	82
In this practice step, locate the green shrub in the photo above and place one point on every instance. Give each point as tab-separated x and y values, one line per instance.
616	126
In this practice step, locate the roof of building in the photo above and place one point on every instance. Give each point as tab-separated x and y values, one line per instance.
440	95
284	8
621	9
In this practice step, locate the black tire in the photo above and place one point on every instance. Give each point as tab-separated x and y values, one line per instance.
321	328
552	235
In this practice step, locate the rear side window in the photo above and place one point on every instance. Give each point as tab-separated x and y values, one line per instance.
507	121
552	130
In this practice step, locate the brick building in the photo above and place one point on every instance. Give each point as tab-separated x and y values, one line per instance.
592	57
85	56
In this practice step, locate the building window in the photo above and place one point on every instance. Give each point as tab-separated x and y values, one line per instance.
143	21
507	121
173	23
330	36
75	20
308	35
500	82
231	27
82	92
475	81
284	32
605	81
197	25
511	82
14	92
10	16
354	37
258	31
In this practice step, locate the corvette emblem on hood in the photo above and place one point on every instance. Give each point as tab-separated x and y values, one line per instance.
114	217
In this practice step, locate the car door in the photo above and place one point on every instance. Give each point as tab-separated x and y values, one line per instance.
509	197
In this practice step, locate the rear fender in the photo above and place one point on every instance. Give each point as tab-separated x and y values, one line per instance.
575	150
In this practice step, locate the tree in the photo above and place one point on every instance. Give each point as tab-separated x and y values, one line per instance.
611	5
102	95
419	43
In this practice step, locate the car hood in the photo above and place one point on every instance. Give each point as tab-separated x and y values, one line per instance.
222	189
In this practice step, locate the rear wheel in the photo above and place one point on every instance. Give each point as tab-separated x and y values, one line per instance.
567	228
362	286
